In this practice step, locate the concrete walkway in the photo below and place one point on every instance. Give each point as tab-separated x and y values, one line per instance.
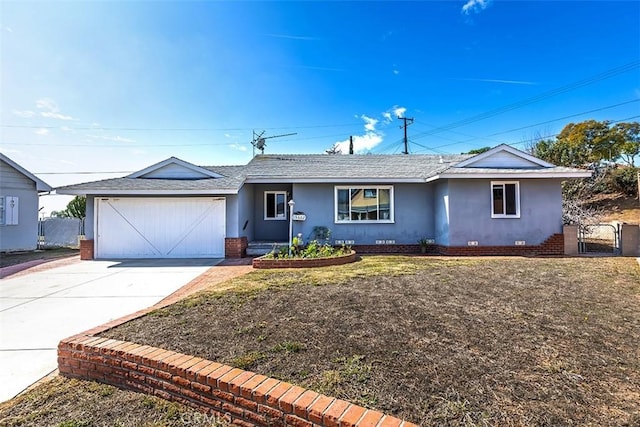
39	308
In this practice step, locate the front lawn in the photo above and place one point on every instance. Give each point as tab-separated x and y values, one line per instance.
64	402
463	341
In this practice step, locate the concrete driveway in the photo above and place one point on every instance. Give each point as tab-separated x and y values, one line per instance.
38	309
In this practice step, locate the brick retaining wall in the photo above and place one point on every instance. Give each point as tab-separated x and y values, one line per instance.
241	397
262	262
554	245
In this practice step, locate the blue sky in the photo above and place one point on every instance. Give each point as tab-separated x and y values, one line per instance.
116	86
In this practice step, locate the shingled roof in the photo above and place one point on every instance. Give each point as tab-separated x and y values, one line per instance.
367	167
319	168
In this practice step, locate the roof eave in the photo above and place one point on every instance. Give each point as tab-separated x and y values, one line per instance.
520	175
41	186
114	192
335	180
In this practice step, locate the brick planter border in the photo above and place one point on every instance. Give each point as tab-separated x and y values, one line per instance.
262	262
554	245
241	397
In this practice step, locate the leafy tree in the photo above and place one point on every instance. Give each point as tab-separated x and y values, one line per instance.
590	143
76	208
478	150
627	137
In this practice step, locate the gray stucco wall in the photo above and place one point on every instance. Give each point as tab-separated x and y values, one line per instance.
269	230
89	219
441	208
470	213
24	235
413	211
245	212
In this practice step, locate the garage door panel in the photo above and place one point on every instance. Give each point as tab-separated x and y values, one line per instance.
161	227
121	234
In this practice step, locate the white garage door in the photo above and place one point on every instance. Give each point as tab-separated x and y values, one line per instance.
160	227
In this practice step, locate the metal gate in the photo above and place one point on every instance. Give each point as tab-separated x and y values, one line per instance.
599	239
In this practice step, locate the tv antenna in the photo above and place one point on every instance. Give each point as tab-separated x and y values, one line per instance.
259	140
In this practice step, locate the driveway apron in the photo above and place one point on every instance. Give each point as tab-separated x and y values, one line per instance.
39	309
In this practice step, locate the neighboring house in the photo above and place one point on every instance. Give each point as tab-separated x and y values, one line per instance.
19	191
500	201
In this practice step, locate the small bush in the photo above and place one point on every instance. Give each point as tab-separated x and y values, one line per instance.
625	180
314	249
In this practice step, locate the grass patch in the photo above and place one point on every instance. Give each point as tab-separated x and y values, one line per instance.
467	341
65	402
12	258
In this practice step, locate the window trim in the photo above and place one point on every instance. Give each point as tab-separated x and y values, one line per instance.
504	204
275	193
391	219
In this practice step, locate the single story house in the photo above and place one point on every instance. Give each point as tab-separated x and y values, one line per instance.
500	201
19	190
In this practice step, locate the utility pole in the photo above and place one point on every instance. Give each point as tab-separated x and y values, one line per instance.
405	124
351	144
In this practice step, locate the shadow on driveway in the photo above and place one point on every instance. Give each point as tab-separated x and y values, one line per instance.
155	262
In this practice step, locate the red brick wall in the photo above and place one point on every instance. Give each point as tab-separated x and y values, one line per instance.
86	249
235	247
554	245
302	262
242	397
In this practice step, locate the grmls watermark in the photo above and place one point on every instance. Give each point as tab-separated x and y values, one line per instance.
202	419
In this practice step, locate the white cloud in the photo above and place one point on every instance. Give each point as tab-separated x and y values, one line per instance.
24	114
65	128
52	115
372	136
47	104
475	6
361	143
393	112
42	132
370	123
396	72
399	111
227	135
53	112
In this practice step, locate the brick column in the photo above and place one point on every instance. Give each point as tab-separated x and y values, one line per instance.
235	247
570	239
86	249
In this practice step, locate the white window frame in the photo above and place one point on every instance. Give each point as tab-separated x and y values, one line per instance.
504	202
391	219
275	194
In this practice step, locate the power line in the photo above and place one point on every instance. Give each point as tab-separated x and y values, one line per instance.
82	173
152	145
541	123
593	79
537	138
98	128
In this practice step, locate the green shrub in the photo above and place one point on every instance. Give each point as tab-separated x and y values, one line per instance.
314	249
625	180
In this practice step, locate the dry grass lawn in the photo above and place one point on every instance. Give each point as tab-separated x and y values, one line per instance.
453	341
64	402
